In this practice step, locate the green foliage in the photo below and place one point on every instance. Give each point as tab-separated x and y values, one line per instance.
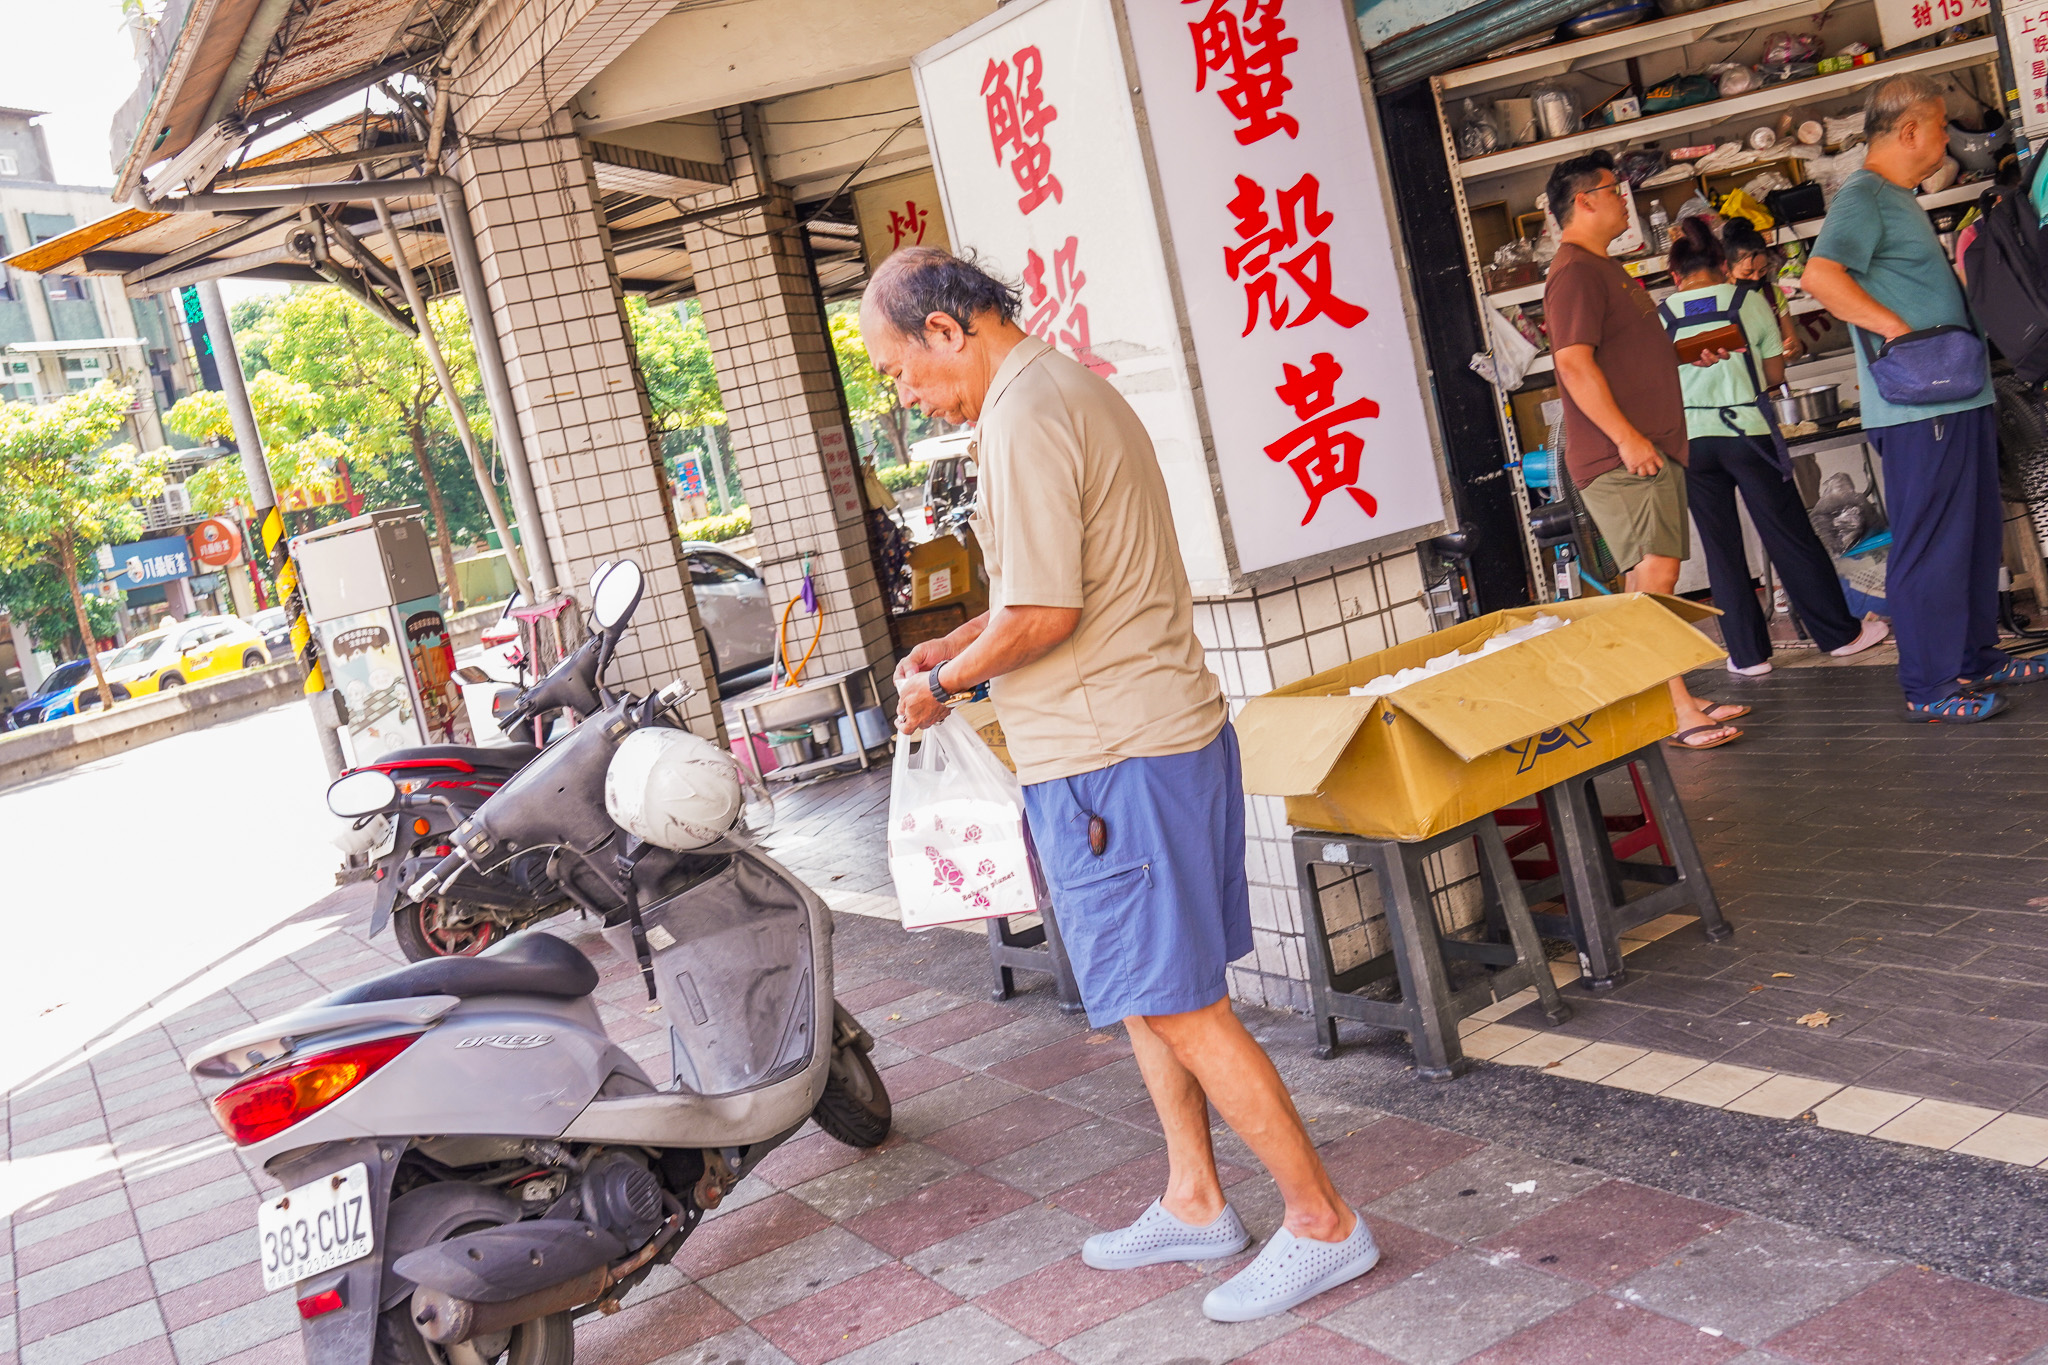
288	414
731	526
870	394
62	489
37	596
675	359
897	477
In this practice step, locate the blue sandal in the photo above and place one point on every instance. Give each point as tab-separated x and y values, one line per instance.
1964	708
2015	671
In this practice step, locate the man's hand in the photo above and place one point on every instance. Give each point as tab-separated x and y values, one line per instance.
916	708
1708	359
1640	455
923	657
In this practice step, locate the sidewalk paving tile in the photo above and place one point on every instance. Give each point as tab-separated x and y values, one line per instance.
1609	1331
1860	1110
962	1334
1067	1298
738	1346
954	1102
992	1254
1915	1315
1755	1278
1076	1153
1315	1346
1782	1097
780	1277
884	1176
1386	1155
1485	1194
1597	1061
1610	1232
856	1313
1135	1337
128	1334
1653	1072
2017	1138
1716	1084
1006	1129
221	1335
1936	1123
1116	1197
935	1213
1404	1251
94	1266
1454	1309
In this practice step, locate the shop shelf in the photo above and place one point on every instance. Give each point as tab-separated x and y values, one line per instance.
1767	100
1719	21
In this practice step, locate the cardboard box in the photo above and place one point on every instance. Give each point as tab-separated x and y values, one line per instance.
1453	747
982	716
944	570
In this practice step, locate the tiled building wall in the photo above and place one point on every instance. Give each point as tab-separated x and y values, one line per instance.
524	61
781	388
581	400
1279	635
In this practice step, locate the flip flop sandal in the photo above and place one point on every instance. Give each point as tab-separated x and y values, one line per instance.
1680	740
2015	671
1964	708
1735	709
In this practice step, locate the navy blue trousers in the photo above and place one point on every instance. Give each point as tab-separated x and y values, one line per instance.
1941	579
1716	468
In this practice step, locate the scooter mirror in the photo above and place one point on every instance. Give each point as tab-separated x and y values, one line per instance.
615	594
357	794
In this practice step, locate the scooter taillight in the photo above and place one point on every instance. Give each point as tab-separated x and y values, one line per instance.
266	1105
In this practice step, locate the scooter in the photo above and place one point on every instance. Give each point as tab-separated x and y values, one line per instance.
458	779
470	1165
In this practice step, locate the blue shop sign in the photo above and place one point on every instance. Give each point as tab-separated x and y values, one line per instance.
145	563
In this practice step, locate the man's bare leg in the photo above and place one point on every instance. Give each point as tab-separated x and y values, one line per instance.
1659	573
1221	1060
1193	1193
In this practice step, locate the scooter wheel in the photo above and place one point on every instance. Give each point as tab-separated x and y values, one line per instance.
855	1107
421	934
544	1341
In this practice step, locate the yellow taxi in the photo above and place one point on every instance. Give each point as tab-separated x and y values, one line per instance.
191	650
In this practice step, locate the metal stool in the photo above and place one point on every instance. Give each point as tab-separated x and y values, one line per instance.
1591	877
1429	1009
1037	949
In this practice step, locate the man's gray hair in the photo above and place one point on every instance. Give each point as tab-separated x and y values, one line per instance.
1893	99
918	281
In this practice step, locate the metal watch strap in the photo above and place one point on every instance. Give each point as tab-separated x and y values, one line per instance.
939	692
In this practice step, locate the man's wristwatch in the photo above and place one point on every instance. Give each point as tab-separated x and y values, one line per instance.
939	692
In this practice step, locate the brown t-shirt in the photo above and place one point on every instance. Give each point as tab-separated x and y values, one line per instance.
1590	300
1074	514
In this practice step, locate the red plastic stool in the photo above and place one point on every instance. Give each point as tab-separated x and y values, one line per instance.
1527	828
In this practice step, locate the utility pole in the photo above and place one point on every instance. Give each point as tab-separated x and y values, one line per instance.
270	523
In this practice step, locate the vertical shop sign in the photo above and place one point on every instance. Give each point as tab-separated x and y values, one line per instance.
2026	38
1318	433
840	478
1287	262
899	212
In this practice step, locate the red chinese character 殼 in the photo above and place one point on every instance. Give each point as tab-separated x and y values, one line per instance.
1058	317
907	227
1017	119
1248	48
1264	241
1324	457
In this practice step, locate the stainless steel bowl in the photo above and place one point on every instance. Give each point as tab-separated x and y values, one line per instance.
1817	404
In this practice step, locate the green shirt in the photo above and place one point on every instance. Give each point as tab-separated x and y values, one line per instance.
1727	385
1878	232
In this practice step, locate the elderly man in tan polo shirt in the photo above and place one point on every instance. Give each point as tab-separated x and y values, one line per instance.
1130	767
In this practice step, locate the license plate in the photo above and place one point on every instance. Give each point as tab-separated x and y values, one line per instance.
385	844
318	1226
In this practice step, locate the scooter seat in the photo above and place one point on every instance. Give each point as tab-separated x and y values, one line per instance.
502	758
532	963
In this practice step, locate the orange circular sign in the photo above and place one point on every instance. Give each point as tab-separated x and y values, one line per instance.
216	542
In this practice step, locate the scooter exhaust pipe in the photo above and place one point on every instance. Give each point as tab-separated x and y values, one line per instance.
446	1320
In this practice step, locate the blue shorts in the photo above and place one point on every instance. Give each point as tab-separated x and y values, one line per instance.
1150	924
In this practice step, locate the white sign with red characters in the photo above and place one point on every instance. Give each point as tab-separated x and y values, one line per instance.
1317	424
839	474
2026	37
1903	21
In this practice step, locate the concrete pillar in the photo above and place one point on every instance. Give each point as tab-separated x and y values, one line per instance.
782	404
582	404
1279	635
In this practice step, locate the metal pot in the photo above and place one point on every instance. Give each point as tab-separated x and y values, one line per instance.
1817	404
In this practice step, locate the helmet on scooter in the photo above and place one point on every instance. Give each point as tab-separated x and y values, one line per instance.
672	789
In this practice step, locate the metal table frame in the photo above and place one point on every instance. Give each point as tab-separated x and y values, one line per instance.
749	712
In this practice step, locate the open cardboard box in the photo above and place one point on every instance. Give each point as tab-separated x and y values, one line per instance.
1455	746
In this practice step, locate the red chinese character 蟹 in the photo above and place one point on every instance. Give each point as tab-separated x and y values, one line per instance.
1017	119
1248	48
1058	317
1264	239
1323	457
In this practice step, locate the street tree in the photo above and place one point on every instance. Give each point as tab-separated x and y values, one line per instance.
675	359
870	394
64	491
288	416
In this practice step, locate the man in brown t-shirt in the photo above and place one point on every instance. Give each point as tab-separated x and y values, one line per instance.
1624	413
1129	763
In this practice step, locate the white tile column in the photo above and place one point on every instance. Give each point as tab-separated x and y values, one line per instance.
576	383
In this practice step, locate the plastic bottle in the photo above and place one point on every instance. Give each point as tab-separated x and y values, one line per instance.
1660	230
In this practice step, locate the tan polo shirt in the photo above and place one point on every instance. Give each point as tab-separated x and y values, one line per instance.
1074	514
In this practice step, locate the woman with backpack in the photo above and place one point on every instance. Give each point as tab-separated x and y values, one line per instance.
1733	443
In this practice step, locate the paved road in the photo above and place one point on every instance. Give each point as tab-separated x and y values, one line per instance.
127	877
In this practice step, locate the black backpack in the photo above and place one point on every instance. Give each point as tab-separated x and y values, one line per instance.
2007	266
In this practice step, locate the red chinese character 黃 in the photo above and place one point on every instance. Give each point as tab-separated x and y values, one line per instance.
1058	317
908	226
1017	118
1247	48
1265	240
1321	455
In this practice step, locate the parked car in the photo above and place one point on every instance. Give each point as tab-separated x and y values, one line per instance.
274	624
191	650
62	679
85	694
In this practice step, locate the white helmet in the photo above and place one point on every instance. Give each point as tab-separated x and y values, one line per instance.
672	789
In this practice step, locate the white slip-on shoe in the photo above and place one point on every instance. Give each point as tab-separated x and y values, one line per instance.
1874	632
1289	1271
1158	1237
1753	671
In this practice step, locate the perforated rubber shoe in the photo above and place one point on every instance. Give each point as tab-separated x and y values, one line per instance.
1158	1237
1290	1271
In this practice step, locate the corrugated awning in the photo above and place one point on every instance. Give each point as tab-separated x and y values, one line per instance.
1463	38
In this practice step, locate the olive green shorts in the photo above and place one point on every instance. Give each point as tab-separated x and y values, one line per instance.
1640	516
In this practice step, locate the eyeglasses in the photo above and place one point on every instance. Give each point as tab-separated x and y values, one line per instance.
1601	189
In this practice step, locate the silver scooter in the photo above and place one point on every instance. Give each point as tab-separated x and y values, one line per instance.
469	1162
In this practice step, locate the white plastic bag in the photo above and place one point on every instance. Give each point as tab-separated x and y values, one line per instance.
956	830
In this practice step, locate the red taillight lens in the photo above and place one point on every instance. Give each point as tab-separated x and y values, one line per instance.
326	1301
265	1105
